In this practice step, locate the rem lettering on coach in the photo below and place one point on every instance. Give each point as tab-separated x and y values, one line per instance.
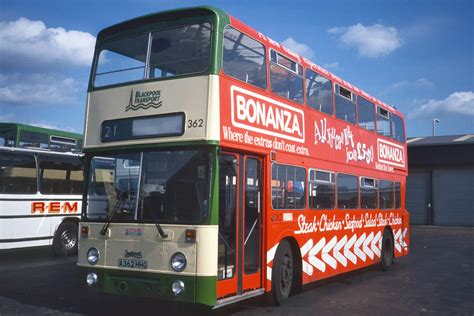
261	114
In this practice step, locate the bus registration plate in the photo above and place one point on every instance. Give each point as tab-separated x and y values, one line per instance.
133	263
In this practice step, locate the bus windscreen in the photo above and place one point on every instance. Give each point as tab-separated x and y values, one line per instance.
170	52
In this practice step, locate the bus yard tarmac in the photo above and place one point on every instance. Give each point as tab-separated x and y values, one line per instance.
435	278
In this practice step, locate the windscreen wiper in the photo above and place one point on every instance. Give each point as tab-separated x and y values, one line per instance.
161	231
121	198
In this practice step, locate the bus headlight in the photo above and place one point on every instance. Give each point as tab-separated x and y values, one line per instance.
92	255
177	287
178	262
91	279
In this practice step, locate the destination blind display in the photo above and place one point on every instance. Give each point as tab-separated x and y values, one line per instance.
143	127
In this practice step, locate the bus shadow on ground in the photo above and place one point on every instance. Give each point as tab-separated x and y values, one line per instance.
43	284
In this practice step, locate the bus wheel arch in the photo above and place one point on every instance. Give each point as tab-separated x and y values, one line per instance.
286	272
388	247
297	285
65	240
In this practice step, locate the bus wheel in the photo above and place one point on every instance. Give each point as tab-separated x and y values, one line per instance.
65	239
282	273
386	258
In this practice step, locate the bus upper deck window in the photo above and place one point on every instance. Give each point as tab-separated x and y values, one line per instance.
383	122
182	50
345	104
121	60
286	78
244	58
318	92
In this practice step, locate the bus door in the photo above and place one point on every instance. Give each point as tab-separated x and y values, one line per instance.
240	213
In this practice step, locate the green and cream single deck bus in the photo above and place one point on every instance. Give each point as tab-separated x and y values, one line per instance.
220	165
28	136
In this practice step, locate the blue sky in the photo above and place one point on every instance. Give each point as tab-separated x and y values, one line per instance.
416	55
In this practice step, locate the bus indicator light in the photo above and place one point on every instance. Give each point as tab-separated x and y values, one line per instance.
85	231
190	235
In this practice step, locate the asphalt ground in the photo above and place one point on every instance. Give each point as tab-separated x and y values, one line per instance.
436	278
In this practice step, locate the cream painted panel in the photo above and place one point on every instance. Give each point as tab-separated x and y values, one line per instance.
197	97
214	115
201	257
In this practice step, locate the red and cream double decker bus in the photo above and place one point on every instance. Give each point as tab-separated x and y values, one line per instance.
220	165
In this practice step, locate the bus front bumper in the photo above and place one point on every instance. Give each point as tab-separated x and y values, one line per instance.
197	289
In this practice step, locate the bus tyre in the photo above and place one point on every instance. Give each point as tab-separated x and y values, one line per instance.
282	273
65	240
386	259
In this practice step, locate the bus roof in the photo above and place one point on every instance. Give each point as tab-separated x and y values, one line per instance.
31	128
39	151
160	19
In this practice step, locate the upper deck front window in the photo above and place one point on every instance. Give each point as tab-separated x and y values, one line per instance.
164	53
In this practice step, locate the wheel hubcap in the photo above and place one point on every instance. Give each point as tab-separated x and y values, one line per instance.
68	239
286	273
388	253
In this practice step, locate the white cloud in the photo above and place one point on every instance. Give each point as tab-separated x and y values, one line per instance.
32	44
370	41
457	103
418	83
299	48
52	126
9	117
38	89
333	66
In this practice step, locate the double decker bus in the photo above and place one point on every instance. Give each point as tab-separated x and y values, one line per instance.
221	165
40	199
28	136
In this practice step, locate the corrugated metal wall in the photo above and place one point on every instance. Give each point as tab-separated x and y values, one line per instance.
453	196
441	195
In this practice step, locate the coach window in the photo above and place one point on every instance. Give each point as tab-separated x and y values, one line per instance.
398	129
244	58
17	174
286	77
347	192
383	122
368	193
33	139
366	114
321	186
60	175
398	196
318	92
288	187
386	196
345	104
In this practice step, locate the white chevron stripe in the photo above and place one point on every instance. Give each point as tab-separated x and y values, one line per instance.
342	251
271	253
270	257
347	252
312	255
374	244
326	256
307	268
366	248
269	273
357	249
401	239
337	253
404	235
396	240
